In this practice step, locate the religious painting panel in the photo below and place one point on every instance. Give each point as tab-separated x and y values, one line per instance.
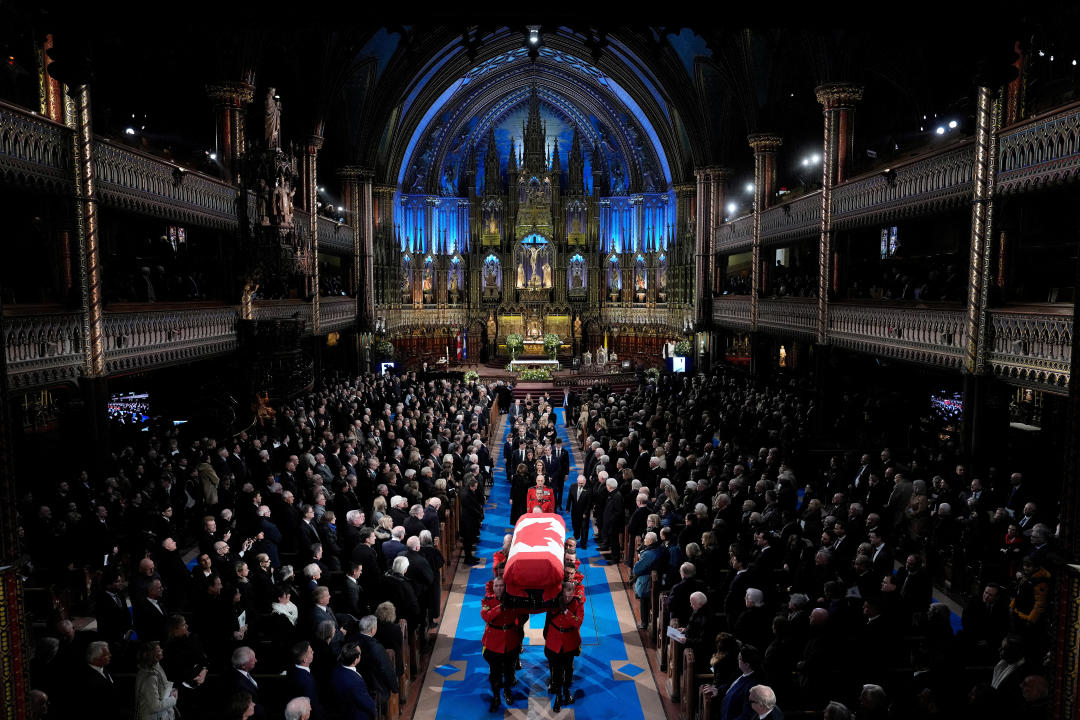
533	259
491	275
577	275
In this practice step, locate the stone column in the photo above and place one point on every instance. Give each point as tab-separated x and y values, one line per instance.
50	92
311	192
838	100
765	146
15	659
230	102
702	246
359	193
975	427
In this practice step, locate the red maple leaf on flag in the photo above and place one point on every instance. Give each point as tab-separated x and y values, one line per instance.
539	534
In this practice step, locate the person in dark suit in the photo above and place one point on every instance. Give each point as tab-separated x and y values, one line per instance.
398	590
321	611
99	698
356	602
271	536
349	689
299	682
365	555
375	666
472	514
560	470
150	615
614	521
736	701
762	703
239	679
114	620
689	584
579	504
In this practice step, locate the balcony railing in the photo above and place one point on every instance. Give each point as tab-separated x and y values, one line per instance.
929	337
1041	150
800	218
337	313
676	317
735	236
1032	346
32	147
732	311
411	317
797	315
140	340
43	349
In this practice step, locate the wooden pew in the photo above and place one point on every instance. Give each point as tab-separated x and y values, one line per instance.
705	703
692	684
654	605
675	670
393	703
663	620
405	681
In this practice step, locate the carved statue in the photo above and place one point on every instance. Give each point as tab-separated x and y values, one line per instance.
586	359
282	206
452	285
575	277
547	274
577	327
247	300
491	327
428	277
273	119
601	356
521	275
614	281
261	198
491	279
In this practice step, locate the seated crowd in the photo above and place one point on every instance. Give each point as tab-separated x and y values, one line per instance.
809	583
313	534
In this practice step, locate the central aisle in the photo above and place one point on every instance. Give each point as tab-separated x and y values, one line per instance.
611	677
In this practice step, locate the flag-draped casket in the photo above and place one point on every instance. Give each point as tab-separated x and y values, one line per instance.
534	568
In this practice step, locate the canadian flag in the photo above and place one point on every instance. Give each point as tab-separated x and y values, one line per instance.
461	344
536	555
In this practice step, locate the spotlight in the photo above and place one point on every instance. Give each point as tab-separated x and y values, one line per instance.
952	124
340	209
749	187
731	208
213	155
805	162
940	130
129	131
322	189
815	158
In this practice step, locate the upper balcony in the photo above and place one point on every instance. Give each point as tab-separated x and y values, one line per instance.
1036	152
46	347
36	151
1027	345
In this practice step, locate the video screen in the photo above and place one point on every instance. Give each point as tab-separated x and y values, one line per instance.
130	408
947	406
677	364
386	367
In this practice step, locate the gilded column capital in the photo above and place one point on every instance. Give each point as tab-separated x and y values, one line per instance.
314	144
231	93
838	94
684	189
765	142
720	174
360	172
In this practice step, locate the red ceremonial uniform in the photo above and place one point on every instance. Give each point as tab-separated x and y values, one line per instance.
503	633
499	557
542	497
564	628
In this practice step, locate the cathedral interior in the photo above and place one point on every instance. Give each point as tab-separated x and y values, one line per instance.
226	209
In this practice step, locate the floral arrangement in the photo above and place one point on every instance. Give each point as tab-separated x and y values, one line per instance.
514	344
652	373
684	348
471	376
535	375
551	344
382	349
